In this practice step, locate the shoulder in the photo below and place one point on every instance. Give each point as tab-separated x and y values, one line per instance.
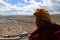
57	34
33	34
58	30
56	27
54	24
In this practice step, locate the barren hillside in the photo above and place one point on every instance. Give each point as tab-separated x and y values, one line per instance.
15	25
11	25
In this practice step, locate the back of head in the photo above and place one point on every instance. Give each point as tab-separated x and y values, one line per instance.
43	14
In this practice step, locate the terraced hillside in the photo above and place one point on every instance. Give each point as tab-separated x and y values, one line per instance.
12	25
15	25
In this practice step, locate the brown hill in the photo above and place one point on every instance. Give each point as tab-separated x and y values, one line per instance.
56	18
15	25
56	15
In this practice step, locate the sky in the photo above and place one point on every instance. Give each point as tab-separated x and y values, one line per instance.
27	7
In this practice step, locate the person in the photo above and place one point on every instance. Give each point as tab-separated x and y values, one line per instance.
46	30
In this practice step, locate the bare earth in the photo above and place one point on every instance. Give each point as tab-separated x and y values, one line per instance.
12	26
22	26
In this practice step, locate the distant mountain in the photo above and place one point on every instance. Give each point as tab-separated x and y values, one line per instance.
16	15
55	15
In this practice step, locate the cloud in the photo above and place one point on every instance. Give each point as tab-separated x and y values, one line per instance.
14	9
1	1
51	5
56	5
4	6
42	4
26	0
19	8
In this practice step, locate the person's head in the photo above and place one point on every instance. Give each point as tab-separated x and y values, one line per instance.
42	16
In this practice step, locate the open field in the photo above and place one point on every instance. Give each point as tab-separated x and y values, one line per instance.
15	25
11	25
56	18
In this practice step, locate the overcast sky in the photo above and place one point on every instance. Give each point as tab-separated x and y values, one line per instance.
27	7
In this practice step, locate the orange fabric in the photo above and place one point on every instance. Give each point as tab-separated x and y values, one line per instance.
44	14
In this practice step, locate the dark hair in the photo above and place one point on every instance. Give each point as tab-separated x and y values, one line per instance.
39	19
46	22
